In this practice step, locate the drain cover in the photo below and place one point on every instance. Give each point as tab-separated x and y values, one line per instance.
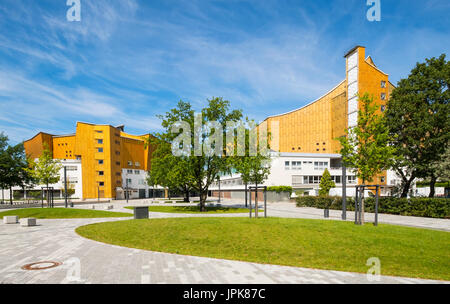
41	265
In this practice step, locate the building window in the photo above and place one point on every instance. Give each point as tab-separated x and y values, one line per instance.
351	179
100	161
383	108
382	179
286	165
383	96
101	173
118	163
297	180
136	171
383	83
117	142
129	171
129	181
101	184
296	165
320	165
117	153
71	168
137	164
118	174
98	131
100	141
100	150
130	163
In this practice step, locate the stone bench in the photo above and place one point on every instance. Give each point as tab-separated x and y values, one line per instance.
140	212
10	219
28	222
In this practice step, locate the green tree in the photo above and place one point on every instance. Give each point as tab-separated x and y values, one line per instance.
366	147
440	170
13	165
168	170
46	169
326	183
202	167
254	169
3	163
418	115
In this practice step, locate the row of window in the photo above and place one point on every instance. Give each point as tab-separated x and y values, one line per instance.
297	165
315	179
131	171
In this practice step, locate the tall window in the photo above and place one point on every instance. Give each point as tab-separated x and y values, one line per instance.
286	165
101	173
100	161
296	165
383	84
100	141
100	150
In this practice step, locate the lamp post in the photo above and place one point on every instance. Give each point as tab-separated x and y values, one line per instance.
344	192
65	186
126	187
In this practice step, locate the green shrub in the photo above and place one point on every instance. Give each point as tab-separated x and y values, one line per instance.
279	189
424	207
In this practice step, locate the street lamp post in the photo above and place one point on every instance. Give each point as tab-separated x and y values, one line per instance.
65	186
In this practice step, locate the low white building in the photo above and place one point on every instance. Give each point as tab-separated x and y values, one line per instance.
74	180
301	171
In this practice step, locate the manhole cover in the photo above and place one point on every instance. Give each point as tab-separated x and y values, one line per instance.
41	265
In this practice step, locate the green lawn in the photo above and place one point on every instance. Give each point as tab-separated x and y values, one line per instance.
62	213
403	251
194	209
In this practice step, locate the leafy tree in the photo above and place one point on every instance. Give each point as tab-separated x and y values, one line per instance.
202	167
13	165
418	115
366	147
254	169
46	169
440	170
326	183
168	170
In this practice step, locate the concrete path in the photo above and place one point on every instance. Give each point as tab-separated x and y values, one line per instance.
87	261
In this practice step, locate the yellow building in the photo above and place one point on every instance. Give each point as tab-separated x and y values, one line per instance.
314	128
109	158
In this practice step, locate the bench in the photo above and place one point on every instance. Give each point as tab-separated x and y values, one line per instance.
28	222
10	219
141	212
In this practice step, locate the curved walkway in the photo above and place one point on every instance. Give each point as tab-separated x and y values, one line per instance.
87	261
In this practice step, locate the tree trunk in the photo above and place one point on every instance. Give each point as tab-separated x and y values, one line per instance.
186	195
406	187
203	196
432	186
246	203
256	201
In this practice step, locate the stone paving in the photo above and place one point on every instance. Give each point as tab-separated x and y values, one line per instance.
87	261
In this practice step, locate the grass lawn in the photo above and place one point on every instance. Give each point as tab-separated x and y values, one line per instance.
194	209
403	251
62	213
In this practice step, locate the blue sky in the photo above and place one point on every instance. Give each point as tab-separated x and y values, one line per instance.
129	60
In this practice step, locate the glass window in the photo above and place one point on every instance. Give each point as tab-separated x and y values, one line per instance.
101	173
100	161
100	141
100	150
286	165
296	165
137	164
130	163
136	171
383	84
101	184
383	96
383	108
130	171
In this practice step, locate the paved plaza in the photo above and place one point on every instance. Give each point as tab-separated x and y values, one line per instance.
87	261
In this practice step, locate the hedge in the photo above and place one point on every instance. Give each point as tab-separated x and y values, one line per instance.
424	207
279	189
